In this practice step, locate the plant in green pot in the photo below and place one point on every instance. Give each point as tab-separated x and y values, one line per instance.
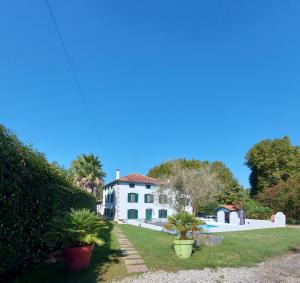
78	231
185	224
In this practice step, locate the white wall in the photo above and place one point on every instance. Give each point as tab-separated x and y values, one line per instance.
122	205
141	206
234	218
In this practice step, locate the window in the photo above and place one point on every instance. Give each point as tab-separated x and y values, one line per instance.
131	185
184	201
148	186
162	213
162	199
148	198
132	214
112	197
132	197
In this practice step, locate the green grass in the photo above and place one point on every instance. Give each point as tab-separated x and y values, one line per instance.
106	265
238	249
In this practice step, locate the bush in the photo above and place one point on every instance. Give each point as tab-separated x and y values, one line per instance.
183	222
256	211
77	228
32	193
284	197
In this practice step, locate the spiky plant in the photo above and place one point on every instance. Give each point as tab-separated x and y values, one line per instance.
87	173
78	228
183	222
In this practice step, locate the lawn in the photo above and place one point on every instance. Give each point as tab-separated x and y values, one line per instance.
106	264
239	248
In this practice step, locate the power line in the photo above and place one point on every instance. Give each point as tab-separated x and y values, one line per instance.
77	82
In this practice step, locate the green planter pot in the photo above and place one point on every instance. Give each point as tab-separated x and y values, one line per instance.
183	248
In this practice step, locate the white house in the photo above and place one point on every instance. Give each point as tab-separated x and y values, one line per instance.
134	197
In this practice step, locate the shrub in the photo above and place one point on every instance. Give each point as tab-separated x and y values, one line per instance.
32	192
183	223
77	228
284	197
256	211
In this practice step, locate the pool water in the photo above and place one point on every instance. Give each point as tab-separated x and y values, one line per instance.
207	226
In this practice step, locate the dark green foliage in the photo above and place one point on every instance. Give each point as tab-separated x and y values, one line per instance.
272	161
164	170
77	228
256	211
210	208
284	197
233	189
32	192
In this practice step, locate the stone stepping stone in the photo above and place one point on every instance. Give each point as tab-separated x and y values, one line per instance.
136	261
128	249
133	256
136	268
133	261
130	253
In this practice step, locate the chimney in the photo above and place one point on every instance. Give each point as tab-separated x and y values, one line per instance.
117	174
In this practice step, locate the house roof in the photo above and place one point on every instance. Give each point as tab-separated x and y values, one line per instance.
230	207
137	178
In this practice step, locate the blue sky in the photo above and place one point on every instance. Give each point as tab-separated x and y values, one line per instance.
163	79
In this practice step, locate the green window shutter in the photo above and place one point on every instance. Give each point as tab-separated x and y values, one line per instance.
136	197
129	197
128	214
136	214
159	214
145	198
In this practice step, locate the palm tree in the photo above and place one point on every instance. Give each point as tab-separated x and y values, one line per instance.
87	172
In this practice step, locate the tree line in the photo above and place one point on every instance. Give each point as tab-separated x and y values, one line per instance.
274	180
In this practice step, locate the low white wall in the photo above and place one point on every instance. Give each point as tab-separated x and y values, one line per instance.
250	224
144	225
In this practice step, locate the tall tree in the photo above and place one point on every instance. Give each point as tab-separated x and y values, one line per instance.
166	169
195	186
272	161
231	189
202	186
87	173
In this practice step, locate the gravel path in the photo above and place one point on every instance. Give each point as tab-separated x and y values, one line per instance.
280	269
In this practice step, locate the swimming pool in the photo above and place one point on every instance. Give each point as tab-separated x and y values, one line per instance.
207	226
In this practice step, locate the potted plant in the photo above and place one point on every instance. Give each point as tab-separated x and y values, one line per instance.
185	224
78	231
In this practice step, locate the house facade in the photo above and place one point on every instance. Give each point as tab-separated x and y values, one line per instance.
135	197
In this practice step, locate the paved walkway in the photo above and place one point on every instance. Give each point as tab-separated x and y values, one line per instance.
133	261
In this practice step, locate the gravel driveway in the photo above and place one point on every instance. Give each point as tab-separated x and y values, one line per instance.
285	268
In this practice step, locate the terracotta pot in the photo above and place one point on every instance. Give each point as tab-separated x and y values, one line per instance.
77	258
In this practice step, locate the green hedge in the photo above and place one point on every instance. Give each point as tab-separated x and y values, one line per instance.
32	192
